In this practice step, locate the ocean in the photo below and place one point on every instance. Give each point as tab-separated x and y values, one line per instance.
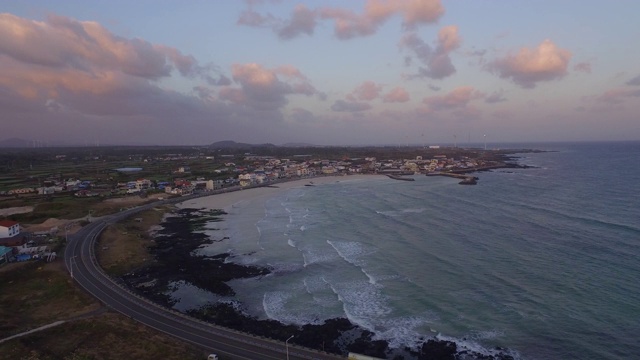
541	261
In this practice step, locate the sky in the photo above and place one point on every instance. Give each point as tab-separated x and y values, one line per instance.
370	72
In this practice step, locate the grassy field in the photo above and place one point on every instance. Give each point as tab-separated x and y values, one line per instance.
106	336
34	294
122	247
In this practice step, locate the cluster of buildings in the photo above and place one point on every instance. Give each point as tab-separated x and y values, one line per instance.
261	169
17	246
51	186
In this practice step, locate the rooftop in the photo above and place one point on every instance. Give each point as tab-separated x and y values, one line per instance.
7	223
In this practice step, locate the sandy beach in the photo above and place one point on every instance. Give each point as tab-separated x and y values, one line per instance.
227	201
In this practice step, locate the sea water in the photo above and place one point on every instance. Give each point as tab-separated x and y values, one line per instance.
543	261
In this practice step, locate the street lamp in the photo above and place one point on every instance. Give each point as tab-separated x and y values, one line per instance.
66	231
73	258
286	344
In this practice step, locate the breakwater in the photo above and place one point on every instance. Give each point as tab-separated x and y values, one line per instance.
466	179
395	177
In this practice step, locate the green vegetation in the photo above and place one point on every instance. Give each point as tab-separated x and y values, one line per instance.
35	293
107	336
122	247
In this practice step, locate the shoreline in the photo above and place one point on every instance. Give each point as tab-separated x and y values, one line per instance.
225	201
178	260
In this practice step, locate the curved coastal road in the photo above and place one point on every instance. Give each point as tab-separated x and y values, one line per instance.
80	260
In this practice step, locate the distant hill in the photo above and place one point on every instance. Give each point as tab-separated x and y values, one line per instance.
230	144
15	143
298	145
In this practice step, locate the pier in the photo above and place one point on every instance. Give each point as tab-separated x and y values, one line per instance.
466	179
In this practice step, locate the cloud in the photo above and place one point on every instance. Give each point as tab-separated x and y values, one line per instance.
438	62
221	81
495	97
347	24
448	39
62	56
92	84
261	88
302	115
233	95
530	66
421	49
303	21
349	106
253	18
617	96
396	94
635	81
584	67
456	99
367	91
86	46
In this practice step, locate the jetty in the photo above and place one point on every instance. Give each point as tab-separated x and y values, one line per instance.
395	177
466	179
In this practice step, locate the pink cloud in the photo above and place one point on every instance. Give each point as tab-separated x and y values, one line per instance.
289	71
253	75
448	38
347	24
530	66
62	54
456	99
367	91
396	94
263	89
74	80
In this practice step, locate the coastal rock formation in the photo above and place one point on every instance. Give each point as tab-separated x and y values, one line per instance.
175	261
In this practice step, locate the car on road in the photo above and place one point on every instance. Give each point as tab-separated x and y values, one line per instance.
212	357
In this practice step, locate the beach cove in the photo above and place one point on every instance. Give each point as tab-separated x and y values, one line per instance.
202	262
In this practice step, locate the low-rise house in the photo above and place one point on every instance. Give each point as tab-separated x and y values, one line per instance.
5	254
328	170
9	228
85	193
20	191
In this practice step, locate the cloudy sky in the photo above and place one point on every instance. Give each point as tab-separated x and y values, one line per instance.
322	72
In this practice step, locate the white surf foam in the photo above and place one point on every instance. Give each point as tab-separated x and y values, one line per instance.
352	252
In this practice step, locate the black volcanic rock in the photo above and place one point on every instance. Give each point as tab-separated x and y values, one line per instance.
175	261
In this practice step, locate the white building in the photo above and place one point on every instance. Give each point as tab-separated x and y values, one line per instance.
9	228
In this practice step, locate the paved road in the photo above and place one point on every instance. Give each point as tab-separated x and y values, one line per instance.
80	259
